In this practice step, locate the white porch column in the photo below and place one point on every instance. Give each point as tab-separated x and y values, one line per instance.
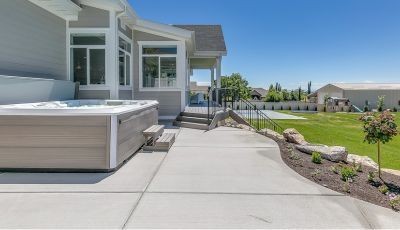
218	73
212	76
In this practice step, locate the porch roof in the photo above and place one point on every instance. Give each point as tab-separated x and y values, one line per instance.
209	39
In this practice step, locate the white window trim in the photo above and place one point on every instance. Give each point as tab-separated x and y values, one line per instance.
104	31
126	38
179	57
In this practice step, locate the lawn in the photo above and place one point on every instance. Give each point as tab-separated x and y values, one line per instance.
345	130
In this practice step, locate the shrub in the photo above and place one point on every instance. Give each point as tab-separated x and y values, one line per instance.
324	108
298	107
290	107
316	157
394	109
371	177
366	109
307	108
272	107
281	107
264	107
237	107
316	173
383	189
294	156
347	173
394	201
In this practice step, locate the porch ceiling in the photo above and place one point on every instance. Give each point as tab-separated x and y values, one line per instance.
202	63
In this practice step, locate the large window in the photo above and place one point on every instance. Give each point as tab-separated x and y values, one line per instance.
159	66
88	58
124	62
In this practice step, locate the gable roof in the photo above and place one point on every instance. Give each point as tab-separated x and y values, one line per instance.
207	37
367	86
261	91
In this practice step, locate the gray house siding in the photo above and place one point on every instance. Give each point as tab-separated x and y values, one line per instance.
358	97
94	94
33	41
91	17
170	101
125	94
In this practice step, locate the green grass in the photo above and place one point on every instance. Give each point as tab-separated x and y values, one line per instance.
344	129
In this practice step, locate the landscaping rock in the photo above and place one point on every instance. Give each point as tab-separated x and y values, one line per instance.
333	153
246	127
364	160
293	136
271	133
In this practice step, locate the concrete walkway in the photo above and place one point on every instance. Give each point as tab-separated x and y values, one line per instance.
224	178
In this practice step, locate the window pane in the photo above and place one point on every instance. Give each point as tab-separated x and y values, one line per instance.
88	39
97	66
160	50
121	68
150	72
128	70
79	68
168	72
124	45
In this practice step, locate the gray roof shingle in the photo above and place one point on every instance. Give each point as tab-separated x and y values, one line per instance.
208	37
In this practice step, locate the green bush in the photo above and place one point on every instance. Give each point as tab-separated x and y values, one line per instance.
316	157
290	107
383	189
394	201
394	109
371	177
272	107
347	173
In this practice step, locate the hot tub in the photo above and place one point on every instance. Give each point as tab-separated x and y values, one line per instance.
77	135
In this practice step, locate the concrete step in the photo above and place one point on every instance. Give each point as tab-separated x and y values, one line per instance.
191	125
198	120
199	115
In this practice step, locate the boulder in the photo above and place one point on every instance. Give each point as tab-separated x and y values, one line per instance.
364	160
333	153
293	136
246	127
271	133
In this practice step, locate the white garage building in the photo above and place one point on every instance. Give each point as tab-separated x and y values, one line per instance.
359	93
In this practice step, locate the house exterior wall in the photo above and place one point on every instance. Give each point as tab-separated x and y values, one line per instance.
94	94
358	97
90	17
170	101
331	91
33	41
125	94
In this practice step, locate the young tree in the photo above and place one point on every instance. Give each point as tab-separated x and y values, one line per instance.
379	128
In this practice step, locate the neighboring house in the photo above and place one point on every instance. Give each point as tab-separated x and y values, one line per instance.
359	93
258	94
194	88
108	49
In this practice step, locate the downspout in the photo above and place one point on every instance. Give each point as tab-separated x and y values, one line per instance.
115	47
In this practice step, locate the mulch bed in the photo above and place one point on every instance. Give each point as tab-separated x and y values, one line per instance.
323	174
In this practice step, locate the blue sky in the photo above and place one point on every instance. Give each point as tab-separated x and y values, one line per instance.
295	41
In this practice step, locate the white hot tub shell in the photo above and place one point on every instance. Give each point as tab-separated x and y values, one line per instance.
77	135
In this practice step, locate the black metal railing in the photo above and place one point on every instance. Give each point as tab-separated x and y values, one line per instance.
255	117
223	98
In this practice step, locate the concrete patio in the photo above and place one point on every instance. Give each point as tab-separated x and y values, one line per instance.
224	178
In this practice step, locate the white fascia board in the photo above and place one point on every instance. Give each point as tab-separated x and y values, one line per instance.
64	9
163	30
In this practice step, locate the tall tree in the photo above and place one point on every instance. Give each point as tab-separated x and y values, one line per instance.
238	83
309	88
